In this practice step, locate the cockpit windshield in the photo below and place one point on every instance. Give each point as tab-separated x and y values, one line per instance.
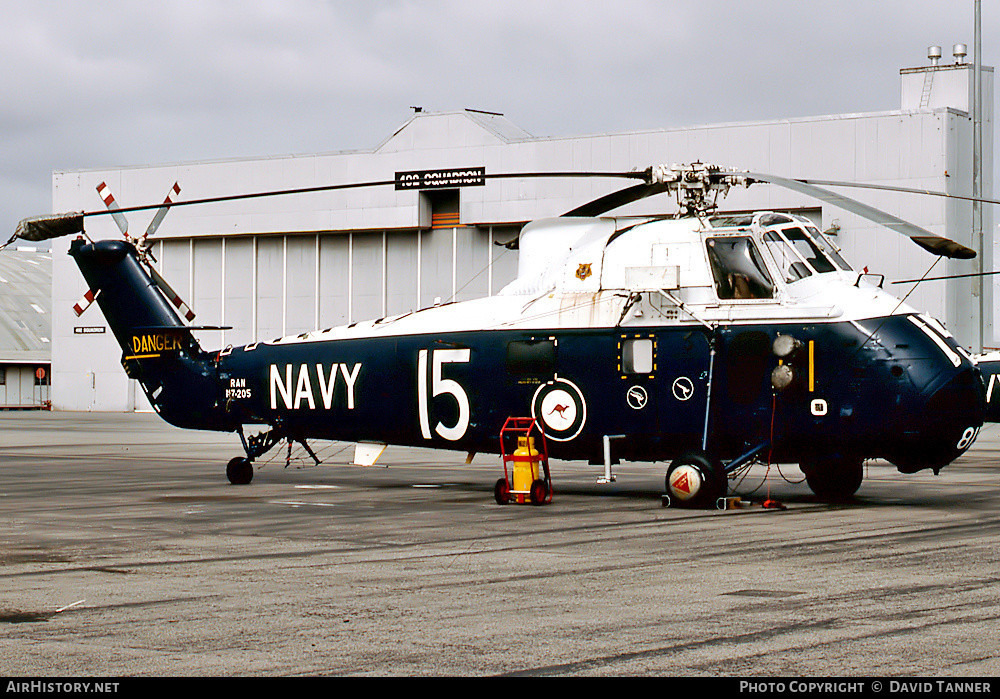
829	248
798	255
739	269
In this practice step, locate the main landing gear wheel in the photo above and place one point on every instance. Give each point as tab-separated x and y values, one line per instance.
695	480
239	471
834	478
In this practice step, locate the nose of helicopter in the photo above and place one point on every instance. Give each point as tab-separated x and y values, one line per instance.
946	422
929	401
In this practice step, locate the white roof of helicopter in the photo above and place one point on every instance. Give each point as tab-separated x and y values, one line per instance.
580	273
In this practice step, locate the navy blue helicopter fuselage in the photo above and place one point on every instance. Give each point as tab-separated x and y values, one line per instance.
892	387
894	395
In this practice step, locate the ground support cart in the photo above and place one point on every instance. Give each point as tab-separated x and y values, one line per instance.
526	475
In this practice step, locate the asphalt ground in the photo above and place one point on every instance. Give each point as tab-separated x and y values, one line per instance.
125	552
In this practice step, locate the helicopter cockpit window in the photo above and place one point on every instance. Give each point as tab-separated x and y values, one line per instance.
796	254
829	248
739	269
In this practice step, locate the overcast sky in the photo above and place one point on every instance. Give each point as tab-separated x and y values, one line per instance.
100	85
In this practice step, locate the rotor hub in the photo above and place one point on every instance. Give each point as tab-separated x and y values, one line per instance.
697	186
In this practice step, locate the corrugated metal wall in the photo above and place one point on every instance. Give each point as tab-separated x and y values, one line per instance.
271	286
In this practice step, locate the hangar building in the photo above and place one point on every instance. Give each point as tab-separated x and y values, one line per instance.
278	266
25	328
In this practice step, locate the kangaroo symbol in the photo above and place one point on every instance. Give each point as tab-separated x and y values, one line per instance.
561	409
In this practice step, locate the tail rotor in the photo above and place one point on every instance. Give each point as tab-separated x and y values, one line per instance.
143	246
104	192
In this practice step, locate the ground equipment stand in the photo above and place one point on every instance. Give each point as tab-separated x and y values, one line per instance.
528	478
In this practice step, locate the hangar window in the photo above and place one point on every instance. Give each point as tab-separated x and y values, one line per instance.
531	357
739	269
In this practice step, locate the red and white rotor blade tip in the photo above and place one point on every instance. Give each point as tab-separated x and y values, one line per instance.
84	303
162	211
109	201
172	296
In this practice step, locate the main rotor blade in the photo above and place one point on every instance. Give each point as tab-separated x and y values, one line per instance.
39	228
634	175
894	188
949	276
931	242
614	200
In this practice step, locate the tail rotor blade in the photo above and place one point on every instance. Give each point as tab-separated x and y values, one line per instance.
84	303
162	211
172	295
104	192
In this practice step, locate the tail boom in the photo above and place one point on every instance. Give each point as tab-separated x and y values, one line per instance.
158	349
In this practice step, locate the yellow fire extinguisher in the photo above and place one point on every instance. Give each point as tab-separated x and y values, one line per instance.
526	467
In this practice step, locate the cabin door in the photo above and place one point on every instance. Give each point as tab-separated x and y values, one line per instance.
680	388
638	369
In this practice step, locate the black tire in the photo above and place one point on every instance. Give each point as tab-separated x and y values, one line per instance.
695	480
239	471
539	492
501	492
834	478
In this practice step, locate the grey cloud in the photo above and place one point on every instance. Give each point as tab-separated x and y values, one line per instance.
123	83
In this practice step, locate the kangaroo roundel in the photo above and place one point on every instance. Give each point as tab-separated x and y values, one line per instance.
560	408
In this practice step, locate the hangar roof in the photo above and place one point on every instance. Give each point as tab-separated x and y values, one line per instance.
464	127
25	306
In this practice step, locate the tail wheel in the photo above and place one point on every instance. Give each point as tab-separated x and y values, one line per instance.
538	492
239	471
834	477
695	480
501	492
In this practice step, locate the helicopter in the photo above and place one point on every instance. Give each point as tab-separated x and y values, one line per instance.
705	341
